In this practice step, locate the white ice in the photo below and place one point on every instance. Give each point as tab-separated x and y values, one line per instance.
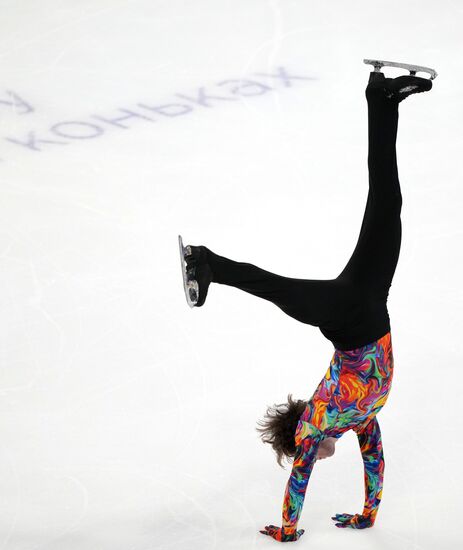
127	419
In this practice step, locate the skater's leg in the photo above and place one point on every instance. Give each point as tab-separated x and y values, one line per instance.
310	301
375	257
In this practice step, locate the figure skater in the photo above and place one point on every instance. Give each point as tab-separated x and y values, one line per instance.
349	310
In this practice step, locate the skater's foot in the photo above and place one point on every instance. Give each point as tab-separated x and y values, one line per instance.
198	270
396	89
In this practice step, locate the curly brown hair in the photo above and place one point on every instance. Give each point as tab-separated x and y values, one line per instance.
279	427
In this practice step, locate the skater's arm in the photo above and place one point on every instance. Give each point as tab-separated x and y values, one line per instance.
369	438
304	460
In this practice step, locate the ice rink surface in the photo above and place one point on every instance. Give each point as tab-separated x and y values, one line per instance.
127	419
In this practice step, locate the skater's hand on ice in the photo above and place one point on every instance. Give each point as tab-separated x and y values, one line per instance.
356	521
278	533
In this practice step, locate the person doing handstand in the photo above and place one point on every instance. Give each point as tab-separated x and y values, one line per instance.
350	310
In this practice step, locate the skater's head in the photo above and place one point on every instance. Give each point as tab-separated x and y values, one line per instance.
279	428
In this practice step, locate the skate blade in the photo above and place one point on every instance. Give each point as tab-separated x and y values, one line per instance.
191	288
377	63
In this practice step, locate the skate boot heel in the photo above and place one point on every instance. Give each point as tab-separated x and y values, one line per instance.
376	76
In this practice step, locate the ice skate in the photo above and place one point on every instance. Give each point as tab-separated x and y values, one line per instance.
397	89
378	64
196	273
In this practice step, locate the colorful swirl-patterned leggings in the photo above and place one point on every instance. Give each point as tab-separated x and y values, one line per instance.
352	392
